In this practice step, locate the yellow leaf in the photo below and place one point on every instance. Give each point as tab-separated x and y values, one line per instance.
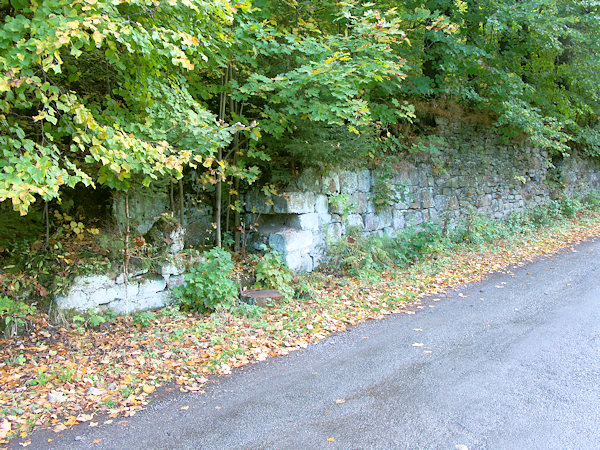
148	389
330	439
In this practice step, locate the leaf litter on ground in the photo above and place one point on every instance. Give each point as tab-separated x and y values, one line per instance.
61	376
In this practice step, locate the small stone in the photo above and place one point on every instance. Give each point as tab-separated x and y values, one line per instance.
56	397
95	391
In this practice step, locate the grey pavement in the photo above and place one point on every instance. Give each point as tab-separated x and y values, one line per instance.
512	362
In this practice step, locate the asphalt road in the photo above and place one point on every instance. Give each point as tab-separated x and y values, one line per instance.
512	362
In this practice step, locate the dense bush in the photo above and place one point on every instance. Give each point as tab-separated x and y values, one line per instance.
208	284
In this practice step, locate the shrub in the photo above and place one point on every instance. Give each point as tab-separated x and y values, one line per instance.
592	200
13	315
208	284
272	272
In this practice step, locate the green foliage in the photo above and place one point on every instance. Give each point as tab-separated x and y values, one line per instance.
248	311
368	255
13	315
208	283
271	272
342	203
144	319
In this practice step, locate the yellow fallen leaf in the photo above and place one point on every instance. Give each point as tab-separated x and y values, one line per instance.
23	434
330	439
184	408
97	441
418	344
340	400
148	389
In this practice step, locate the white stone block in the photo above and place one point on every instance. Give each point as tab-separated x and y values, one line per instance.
151	286
290	240
330	183
364	180
295	203
299	262
355	220
348	182
308	221
91	283
398	222
321	204
109	294
76	299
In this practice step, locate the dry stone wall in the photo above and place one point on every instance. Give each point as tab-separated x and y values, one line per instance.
476	175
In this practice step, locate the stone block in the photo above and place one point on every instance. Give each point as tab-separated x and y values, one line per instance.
372	222
295	203
89	284
151	286
308	221
138	304
175	280
348	182
333	232
76	299
290	240
106	295
258	202
299	262
321	204
359	202
385	218
398	221
172	268
330	183
364	180
310	180
355	221
426	199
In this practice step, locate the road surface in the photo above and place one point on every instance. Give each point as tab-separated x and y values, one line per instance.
512	362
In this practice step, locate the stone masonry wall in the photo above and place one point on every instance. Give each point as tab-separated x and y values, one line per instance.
473	174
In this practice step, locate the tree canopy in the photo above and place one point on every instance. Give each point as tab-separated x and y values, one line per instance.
105	92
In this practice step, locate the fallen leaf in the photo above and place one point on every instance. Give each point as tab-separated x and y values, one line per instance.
330	439
85	417
25	444
124	423
184	408
418	344
108	422
59	428
97	441
5	428
148	389
417	329
340	400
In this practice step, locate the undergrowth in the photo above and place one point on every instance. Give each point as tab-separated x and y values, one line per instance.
366	256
